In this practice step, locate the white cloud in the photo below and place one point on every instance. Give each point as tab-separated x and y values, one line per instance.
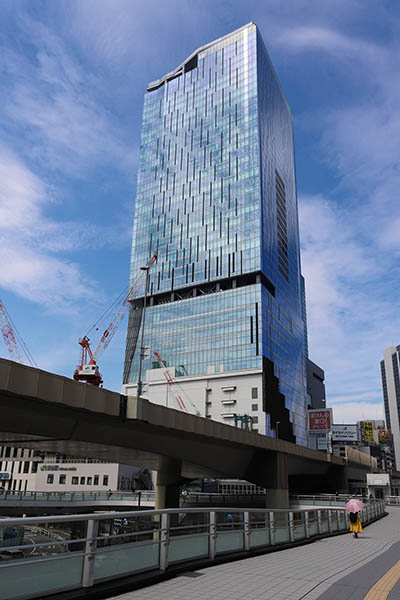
351	412
59	106
351	318
339	45
29	266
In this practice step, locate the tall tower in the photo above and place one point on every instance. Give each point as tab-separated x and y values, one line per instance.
216	198
390	366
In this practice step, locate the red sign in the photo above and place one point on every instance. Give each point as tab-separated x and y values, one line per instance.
320	420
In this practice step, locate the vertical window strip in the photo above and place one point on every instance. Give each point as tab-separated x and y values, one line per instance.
257	348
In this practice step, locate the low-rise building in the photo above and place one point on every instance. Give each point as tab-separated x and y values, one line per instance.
26	470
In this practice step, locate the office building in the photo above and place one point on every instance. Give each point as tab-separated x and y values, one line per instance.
391	396
216	199
315	385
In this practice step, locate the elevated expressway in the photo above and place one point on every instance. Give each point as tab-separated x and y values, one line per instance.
42	410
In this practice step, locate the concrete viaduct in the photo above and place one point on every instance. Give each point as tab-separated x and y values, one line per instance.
54	413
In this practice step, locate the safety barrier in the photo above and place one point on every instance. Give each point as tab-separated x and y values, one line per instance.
100	547
31	497
392	500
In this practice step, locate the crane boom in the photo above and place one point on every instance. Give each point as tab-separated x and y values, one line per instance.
88	370
8	334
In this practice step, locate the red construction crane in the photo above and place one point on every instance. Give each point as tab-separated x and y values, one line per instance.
12	338
88	369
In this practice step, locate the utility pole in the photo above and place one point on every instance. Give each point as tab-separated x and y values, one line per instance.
142	349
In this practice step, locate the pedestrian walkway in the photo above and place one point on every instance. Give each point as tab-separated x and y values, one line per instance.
335	568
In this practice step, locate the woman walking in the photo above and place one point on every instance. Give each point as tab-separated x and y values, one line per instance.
353	506
355	524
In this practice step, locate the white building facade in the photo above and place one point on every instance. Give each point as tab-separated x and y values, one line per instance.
24	470
233	398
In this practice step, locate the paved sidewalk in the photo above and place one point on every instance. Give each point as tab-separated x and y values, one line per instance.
302	573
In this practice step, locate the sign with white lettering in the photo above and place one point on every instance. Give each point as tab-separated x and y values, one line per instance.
320	419
345	433
56	468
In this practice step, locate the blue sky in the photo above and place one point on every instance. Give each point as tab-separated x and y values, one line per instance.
73	76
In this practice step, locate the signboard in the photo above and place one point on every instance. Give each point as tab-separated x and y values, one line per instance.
384	436
344	433
56	468
5	475
320	419
367	431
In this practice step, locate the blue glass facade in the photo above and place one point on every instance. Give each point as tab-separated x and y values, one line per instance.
216	199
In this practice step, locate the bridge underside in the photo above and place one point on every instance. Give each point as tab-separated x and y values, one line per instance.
32	423
53	413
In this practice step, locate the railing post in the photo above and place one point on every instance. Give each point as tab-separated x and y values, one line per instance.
291	527
307	524
319	517
164	541
330	521
272	540
212	535
246	530
90	551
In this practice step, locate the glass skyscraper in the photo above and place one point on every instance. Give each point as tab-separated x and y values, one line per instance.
216	199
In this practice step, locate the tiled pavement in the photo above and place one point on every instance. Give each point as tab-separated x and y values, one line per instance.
303	573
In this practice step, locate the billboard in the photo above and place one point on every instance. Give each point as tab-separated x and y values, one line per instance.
319	419
5	475
367	431
345	433
384	436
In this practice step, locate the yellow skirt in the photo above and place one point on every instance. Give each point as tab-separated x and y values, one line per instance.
356	527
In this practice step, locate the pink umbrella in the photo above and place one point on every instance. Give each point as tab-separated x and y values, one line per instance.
354	505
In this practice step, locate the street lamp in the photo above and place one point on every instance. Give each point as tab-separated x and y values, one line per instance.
277	429
142	349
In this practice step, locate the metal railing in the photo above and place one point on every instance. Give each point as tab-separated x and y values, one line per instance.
146	496
90	549
320	499
332	499
393	500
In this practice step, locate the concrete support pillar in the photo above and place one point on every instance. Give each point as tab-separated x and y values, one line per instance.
278	498
168	481
277	481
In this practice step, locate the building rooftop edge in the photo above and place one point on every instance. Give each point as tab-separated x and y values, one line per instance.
155	84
